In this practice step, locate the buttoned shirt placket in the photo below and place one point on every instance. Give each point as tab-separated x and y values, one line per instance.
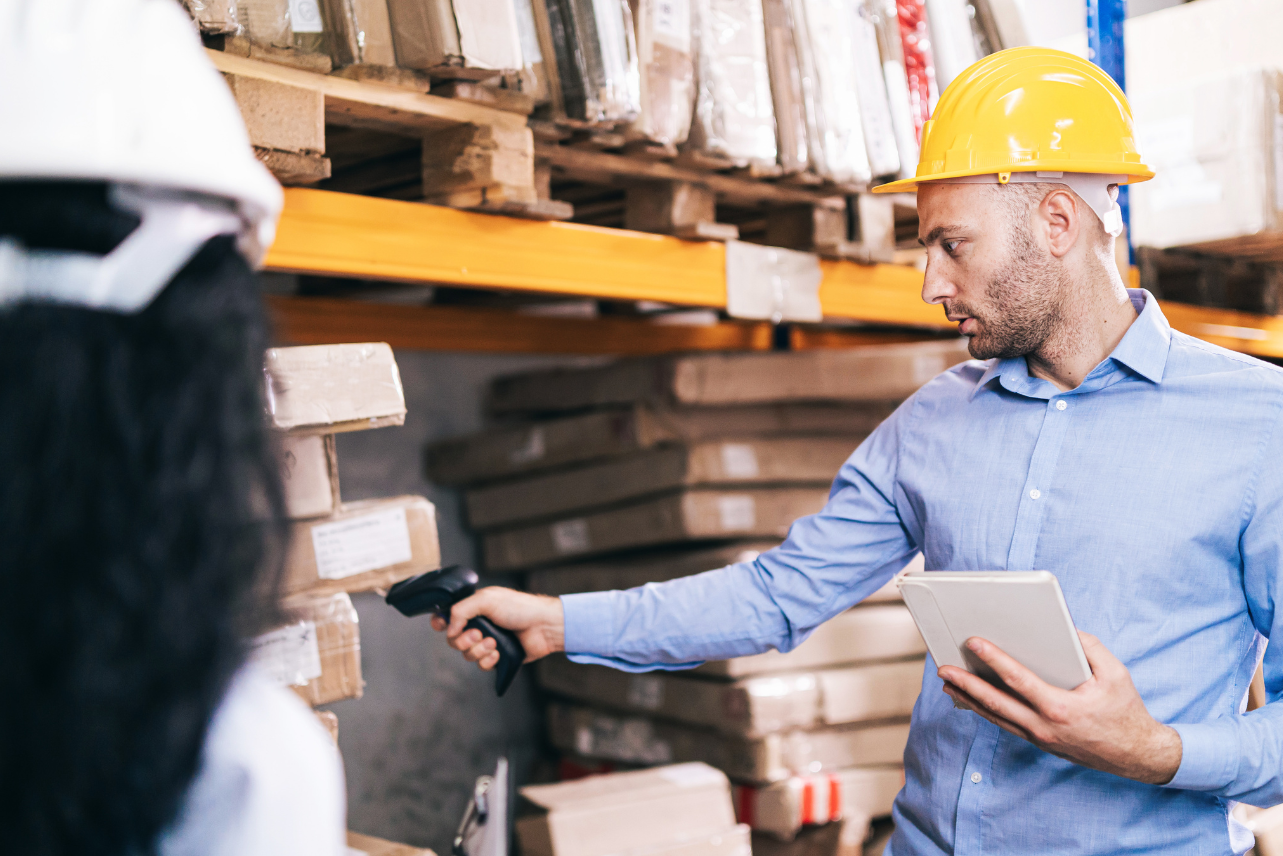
977	778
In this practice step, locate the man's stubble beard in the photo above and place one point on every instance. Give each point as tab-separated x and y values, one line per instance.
1023	304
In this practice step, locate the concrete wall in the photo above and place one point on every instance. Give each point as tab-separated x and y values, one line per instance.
429	722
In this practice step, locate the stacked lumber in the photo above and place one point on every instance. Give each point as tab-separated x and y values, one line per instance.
336	548
647	470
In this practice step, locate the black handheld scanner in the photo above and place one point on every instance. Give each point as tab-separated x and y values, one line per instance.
437	591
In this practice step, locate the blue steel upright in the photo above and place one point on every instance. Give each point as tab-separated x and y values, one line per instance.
1105	47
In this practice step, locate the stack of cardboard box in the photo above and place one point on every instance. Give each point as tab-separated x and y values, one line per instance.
648	470
336	548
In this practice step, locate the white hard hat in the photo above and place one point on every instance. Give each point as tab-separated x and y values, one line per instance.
121	91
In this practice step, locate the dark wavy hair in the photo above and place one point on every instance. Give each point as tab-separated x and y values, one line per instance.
140	533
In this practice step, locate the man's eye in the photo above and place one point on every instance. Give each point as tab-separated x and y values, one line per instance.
950	246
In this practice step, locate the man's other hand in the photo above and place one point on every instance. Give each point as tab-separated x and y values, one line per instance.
1102	724
535	618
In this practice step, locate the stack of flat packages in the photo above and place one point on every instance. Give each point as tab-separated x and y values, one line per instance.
589	53
734	114
648	470
284	30
679	810
336	548
469	38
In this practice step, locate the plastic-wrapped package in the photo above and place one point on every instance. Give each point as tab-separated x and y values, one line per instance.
432	34
595	52
297	24
534	76
953	38
734	116
667	64
786	86
361	32
919	64
214	16
886	23
875	109
827	30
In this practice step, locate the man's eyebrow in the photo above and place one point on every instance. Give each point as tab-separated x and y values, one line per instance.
935	234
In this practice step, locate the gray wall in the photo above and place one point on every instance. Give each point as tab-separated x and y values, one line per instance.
429	722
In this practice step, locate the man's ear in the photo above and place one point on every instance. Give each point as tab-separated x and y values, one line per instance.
1061	219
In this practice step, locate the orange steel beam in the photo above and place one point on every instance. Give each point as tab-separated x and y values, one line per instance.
339	234
324	321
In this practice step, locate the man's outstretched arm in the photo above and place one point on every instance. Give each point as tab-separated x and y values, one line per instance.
830	561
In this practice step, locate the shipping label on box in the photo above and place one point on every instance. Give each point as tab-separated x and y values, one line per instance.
363	546
319	655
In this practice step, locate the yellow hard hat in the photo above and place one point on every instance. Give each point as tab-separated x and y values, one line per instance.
1028	109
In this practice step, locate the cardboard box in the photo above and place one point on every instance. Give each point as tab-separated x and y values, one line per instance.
361	32
310	475
840	838
318	655
767	461
770	758
883	631
751	707
324	389
655	566
511	451
667	65
1216	149
430	34
876	373
736	841
691	515
363	546
631	812
783	808
368	845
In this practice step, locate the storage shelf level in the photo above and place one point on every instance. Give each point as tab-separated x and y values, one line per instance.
338	234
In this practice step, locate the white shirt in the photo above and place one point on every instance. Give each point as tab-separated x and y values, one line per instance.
270	781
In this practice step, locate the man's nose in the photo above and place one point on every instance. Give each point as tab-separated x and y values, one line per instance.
936	287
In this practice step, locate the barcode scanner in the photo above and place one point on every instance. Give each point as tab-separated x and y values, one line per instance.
437	591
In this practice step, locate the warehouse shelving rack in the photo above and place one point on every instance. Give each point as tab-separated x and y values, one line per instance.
344	235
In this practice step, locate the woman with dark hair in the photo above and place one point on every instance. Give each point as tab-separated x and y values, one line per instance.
140	504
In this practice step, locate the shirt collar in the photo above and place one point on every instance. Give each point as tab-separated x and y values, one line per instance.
1143	348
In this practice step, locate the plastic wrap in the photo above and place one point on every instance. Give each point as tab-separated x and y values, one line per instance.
886	23
430	34
214	16
534	76
875	109
297	24
734	115
595	50
953	38
667	63
786	86
361	32
827	48
919	64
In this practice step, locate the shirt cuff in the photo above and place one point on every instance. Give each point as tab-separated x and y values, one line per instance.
1209	756
589	622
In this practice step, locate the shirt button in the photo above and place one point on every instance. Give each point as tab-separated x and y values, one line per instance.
1035	493
975	778
1061	405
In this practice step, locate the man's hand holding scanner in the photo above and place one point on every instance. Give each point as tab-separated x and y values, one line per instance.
1102	724
536	619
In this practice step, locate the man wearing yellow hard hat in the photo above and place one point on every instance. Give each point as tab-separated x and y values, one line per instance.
1137	464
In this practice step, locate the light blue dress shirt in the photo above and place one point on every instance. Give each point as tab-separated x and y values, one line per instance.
1154	492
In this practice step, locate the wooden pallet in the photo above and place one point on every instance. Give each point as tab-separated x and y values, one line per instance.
1202	279
368	136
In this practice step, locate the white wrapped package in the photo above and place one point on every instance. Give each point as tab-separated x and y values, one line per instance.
827	29
734	113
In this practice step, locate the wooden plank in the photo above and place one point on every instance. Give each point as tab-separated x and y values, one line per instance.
601	166
1258	335
321	321
370	105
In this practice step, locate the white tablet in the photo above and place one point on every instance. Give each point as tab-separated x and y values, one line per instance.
1022	612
